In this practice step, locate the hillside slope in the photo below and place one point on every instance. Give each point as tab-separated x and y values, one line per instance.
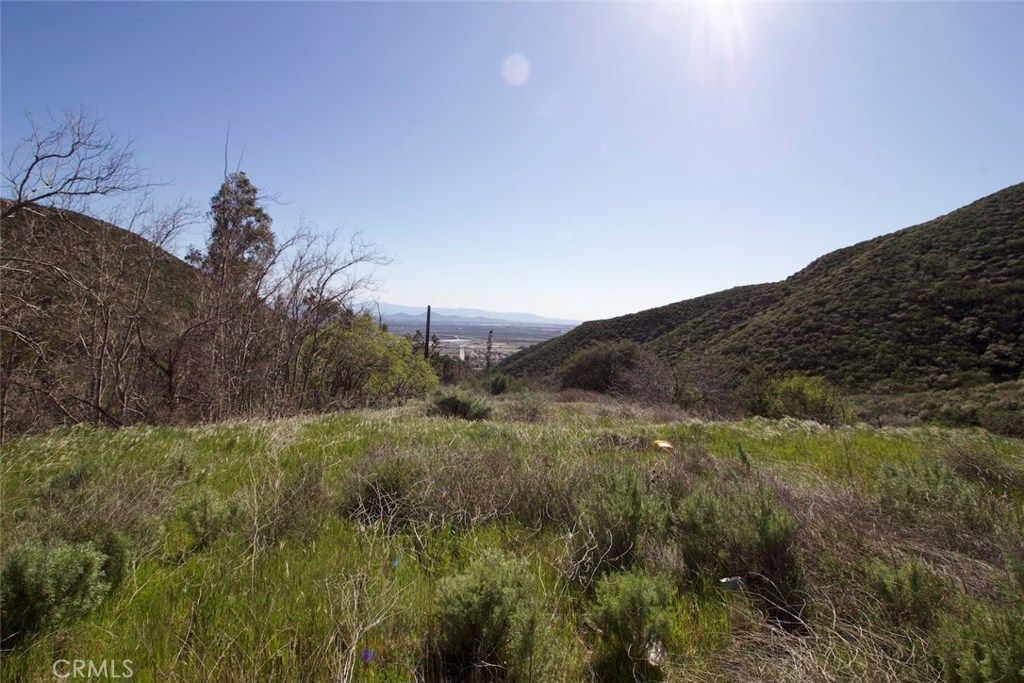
87	310
936	305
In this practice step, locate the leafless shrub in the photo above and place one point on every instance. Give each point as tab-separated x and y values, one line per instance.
582	396
637	444
358	606
985	466
650	381
832	652
278	503
675	474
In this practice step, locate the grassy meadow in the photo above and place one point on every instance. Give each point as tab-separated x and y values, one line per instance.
549	542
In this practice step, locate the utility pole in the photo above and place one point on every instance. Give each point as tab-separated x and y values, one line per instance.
426	337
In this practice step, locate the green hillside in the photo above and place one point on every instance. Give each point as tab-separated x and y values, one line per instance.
377	546
937	305
80	247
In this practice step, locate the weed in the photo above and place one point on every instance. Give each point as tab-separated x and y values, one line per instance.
986	646
909	593
491	623
43	585
463	405
741	530
632	621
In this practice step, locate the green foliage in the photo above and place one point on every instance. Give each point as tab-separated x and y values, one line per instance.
356	363
197	524
985	647
910	593
490	615
450	370
611	520
115	547
499	384
461	404
601	367
999	408
47	584
241	241
928	492
623	368
805	398
631	616
735	530
933	306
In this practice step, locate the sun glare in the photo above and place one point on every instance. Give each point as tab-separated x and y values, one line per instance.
715	34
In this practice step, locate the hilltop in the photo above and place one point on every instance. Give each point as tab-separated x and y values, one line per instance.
938	305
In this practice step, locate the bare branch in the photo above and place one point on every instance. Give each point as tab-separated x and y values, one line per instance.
77	159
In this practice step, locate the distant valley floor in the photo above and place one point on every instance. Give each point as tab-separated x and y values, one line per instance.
471	338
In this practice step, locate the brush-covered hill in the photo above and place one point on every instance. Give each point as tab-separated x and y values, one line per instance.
78	251
936	305
88	312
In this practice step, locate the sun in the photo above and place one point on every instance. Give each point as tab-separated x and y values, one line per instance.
713	34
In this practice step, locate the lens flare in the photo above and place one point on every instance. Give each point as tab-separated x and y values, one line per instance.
515	70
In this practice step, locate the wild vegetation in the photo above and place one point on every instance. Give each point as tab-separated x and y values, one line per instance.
934	307
548	542
176	498
101	324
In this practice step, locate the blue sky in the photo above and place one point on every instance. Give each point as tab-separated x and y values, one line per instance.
650	152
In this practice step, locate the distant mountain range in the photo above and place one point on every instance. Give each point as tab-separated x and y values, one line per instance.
935	306
396	313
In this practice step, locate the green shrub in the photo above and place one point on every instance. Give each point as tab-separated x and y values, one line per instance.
44	585
799	396
631	616
611	520
492	625
742	532
196	525
115	547
599	367
357	363
459	404
623	368
935	496
499	384
985	647
909	593
207	517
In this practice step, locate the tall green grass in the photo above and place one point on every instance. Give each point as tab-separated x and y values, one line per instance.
331	548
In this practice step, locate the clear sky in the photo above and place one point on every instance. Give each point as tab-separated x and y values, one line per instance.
577	160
